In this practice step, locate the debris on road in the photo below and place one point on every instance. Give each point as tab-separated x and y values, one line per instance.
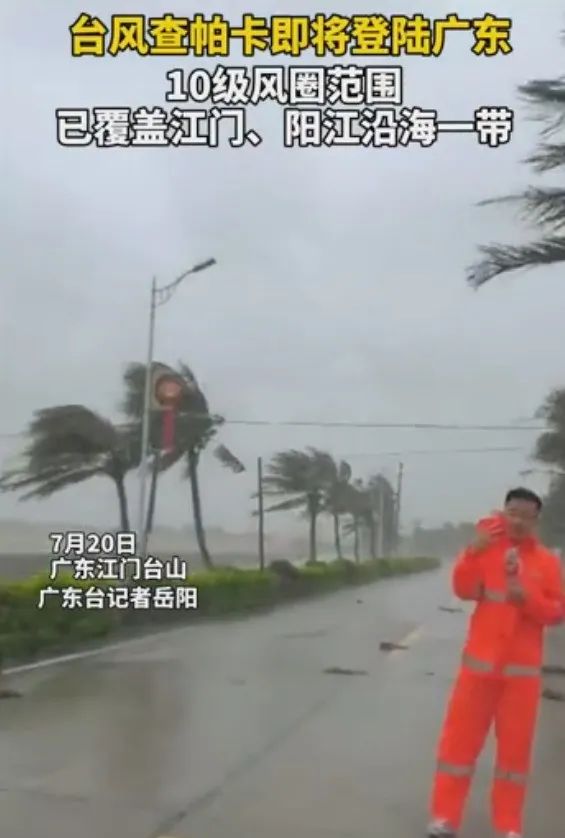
338	670
387	646
553	670
359	602
6	693
553	695
450	610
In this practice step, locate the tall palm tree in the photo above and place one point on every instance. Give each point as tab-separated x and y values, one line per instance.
550	445
545	206
132	406
335	498
552	524
195	427
303	478
68	445
371	506
549	449
357	506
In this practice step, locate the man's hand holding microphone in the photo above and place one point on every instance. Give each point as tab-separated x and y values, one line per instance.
488	531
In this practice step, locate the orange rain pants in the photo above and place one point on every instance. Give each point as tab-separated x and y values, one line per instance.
499	682
476	702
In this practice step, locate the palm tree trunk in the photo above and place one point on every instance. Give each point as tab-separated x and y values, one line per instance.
123	502
193	460
372	539
313	541
356	539
153	492
337	536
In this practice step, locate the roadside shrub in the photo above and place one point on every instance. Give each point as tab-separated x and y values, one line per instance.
27	631
284	569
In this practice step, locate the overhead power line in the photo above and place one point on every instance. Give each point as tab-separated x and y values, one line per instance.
437	451
306	423
439	426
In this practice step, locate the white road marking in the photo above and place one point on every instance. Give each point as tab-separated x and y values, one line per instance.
90	653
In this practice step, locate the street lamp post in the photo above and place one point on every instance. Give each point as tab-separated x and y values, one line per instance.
159	296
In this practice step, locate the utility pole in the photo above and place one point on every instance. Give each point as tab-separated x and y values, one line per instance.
159	296
145	425
261	513
381	542
397	504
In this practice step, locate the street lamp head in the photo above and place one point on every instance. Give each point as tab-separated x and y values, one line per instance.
201	266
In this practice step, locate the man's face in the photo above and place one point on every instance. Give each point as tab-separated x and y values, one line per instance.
521	517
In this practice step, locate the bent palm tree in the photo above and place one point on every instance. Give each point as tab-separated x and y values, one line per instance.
372	508
335	499
357	506
545	206
549	449
303	477
132	406
550	445
71	444
195	427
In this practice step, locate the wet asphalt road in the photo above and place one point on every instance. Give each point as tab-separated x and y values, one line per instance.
232	730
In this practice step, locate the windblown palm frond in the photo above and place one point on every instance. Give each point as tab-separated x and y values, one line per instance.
229	460
69	445
547	157
550	445
553	409
286	505
546	98
543	206
195	427
552	523
549	449
48	481
499	259
303	479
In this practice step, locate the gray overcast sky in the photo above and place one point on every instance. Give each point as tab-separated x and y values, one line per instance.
339	292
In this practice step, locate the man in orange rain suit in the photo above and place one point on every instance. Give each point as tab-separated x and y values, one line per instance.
517	585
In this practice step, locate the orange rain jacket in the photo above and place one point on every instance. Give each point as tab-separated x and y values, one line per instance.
503	633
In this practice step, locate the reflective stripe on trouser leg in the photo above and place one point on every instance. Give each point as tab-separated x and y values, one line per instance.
515	722
477	665
469	715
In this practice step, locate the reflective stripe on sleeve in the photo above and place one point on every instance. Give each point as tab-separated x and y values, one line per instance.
511	776
494	596
455	770
517	670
